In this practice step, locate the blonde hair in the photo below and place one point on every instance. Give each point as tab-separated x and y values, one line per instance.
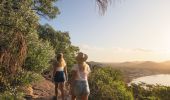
81	57
85	67
60	60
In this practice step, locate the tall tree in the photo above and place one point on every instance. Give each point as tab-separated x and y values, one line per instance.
18	19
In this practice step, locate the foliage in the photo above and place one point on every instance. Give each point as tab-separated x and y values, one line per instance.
103	4
9	96
150	92
39	54
45	8
16	21
106	84
21	78
10	89
60	42
18	27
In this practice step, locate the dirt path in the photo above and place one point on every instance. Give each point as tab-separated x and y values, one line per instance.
51	98
44	90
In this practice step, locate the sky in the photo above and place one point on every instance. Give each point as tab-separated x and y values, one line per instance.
130	30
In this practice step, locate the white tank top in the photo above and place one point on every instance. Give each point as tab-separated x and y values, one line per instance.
59	68
81	75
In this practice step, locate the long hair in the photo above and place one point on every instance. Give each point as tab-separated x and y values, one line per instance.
60	60
81	57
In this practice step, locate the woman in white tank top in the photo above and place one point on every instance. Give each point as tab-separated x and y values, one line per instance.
80	71
59	74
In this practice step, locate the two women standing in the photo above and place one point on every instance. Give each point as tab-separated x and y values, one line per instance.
79	81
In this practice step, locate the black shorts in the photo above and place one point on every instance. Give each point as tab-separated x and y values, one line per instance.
59	76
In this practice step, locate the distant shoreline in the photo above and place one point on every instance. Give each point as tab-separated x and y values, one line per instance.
133	70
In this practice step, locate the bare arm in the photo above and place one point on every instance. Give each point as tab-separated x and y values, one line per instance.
89	71
65	71
54	69
73	76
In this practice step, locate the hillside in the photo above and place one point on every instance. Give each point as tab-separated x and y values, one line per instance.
137	69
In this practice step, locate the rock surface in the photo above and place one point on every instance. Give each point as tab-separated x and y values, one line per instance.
44	90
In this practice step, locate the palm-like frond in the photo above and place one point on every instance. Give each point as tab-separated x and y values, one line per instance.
103	4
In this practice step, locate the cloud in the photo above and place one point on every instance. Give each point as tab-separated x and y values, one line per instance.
143	50
118	54
85	47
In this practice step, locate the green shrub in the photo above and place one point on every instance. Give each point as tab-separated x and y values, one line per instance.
143	91
11	95
39	54
106	84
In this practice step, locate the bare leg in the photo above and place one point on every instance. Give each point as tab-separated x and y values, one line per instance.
62	90
84	97
56	90
73	97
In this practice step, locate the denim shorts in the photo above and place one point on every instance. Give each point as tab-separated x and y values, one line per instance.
59	76
80	88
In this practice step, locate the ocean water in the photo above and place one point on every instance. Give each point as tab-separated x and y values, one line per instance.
161	79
